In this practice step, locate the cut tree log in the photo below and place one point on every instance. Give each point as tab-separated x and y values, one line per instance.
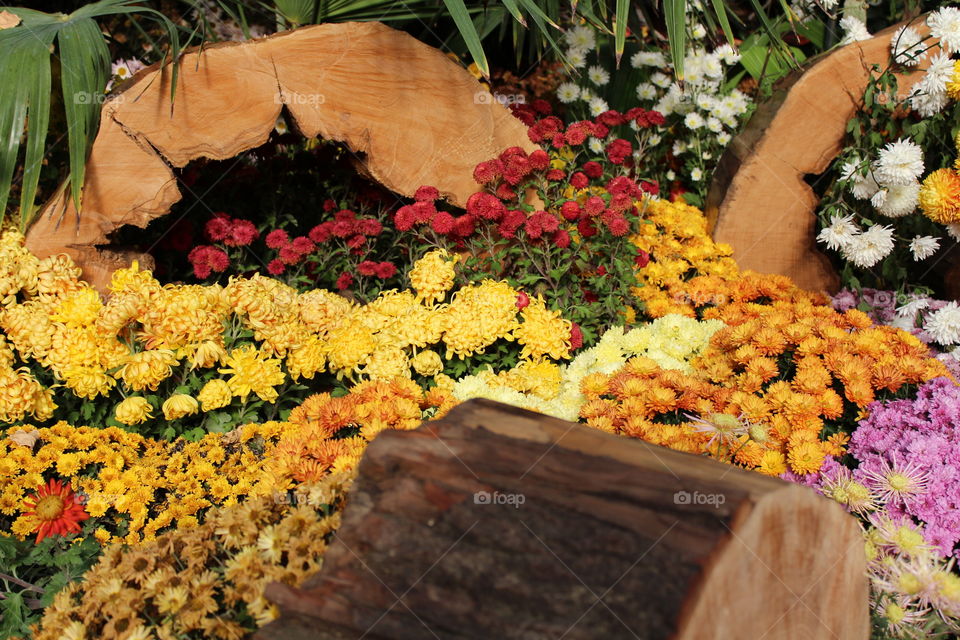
497	522
412	115
759	202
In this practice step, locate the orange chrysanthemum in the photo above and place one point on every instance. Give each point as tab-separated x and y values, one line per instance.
56	510
940	196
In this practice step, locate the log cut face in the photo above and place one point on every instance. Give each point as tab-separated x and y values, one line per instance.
413	115
496	522
759	201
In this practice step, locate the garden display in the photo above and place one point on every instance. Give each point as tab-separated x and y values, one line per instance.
409	322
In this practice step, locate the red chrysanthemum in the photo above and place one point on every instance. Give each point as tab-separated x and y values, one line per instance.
404	218
594	205
367	268
322	232
542	107
276	267
329	205
619	150
217	227
576	336
302	245
486	206
539	160
442	223
593	169
241	234
386	270
277	238
426	193
344	281
488	171
570	210
642	259
523	300
561	238
55	509
579	180
369	227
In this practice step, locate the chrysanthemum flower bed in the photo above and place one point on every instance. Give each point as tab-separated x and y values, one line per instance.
223	420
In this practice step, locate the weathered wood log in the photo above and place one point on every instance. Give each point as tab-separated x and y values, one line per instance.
414	116
759	202
497	522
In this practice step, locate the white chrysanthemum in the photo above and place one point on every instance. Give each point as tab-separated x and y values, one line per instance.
598	75
577	58
926	102
944	25
671	174
906	46
698	31
912	308
598	106
901	200
900	162
939	73
679	146
854	30
694	120
727	54
704	101
568	92
646	91
879	198
922	247
581	37
662	80
839	233
595	145
870	247
944	324
654	140
723	138
648	59
864	187
696	174
714	124
851	169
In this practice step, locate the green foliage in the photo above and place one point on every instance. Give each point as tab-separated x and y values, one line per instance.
25	89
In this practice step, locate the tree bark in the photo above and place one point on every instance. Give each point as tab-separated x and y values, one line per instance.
497	522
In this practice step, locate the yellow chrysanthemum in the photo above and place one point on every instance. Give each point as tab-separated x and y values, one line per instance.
252	372
432	275
427	363
940	196
179	405
543	332
133	410
215	394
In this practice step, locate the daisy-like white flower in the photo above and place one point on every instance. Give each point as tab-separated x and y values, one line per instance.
854	30
900	162
851	169
595	145
581	37
693	120
671	175
648	59
568	92
712	67
679	146
927	103
839	233
944	324
654	140
646	91
598	106
879	198
922	247
944	25
696	174
907	47
577	58
662	80
598	75
901	480
900	200
714	124
727	54
870	247
698	31
723	138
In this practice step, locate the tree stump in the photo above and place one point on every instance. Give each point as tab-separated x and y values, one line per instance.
497	522
414	115
759	201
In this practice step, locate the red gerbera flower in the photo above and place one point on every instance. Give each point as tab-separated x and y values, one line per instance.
56	510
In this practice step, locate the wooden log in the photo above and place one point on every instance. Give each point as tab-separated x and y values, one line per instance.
412	115
759	201
497	522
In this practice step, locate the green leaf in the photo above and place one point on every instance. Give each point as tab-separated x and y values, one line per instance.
674	11
620	28
461	17
720	8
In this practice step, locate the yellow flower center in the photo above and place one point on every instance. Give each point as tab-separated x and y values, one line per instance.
899	482
895	613
49	508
